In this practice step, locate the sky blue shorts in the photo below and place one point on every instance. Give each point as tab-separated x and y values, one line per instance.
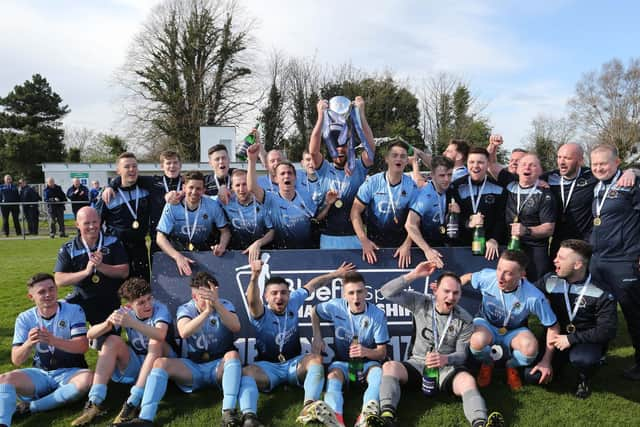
132	370
280	373
46	382
202	375
502	340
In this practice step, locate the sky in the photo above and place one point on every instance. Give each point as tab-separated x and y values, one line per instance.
520	59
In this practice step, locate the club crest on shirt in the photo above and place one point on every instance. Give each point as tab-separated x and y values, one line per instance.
613	194
581	182
62	324
205	216
490	199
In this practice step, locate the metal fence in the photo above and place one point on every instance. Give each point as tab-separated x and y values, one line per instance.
44	218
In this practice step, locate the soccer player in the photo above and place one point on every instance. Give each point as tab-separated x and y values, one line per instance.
440	341
616	241
278	343
360	332
218	183
337	231
291	208
189	225
507	301
206	325
481	202
531	213
386	198
95	264
251	226
458	151
572	184
55	333
149	329
427	220
586	312
127	215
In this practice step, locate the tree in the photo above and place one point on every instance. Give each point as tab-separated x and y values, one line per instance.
546	136
450	111
606	105
30	128
186	69
272	116
88	146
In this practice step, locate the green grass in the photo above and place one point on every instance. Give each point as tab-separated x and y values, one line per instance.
615	401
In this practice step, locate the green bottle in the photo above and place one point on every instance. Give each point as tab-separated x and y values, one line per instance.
479	243
514	243
249	140
356	365
430	379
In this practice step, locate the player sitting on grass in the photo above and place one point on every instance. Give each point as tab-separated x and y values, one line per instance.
360	336
150	335
57	332
207	325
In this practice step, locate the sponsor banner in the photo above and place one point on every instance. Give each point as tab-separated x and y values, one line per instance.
298	267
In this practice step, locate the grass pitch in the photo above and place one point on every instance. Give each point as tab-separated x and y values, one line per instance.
615	401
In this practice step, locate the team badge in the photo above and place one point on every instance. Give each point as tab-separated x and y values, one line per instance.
62	324
365	323
490	199
581	182
205	216
213	321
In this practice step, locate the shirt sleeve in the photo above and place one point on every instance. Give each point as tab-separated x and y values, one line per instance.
325	310
459	357
228	305
21	331
606	323
365	192
482	278
297	298
79	322
183	311
162	316
380	330
394	290
63	262
543	311
165	224
547	208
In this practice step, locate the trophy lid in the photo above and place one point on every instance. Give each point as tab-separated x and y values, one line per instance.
340	105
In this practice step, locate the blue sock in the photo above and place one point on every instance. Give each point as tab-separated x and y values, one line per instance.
373	386
483	355
231	383
520	359
135	396
60	396
98	393
333	397
154	390
7	403
314	382
248	395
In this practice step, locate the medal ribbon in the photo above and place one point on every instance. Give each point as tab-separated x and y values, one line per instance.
391	201
281	333
134	214
191	231
306	211
228	185
442	205
504	304
529	195
475	204
599	205
572	313
438	342
178	187
565	204
86	247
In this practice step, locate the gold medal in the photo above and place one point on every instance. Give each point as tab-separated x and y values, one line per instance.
571	328
191	247
281	358
95	278
338	204
502	330
443	230
135	225
597	221
205	356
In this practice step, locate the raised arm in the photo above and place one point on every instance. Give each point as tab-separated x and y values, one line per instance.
315	141
324	279
254	299
252	175
368	133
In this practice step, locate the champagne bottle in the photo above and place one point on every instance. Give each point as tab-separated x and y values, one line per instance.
356	365
479	243
514	243
452	225
429	379
249	140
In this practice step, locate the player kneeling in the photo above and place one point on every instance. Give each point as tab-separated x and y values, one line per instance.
57	333
440	341
206	325
149	328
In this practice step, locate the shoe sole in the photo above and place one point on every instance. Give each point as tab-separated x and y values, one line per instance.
84	423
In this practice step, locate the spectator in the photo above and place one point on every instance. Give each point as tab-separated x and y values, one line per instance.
31	211
78	194
55	198
94	192
9	194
